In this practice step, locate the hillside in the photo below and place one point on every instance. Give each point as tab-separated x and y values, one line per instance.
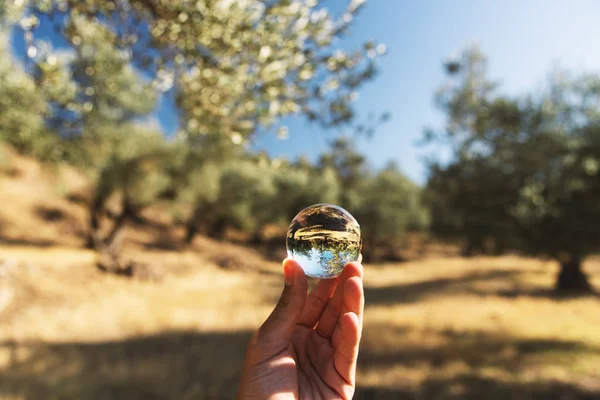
435	328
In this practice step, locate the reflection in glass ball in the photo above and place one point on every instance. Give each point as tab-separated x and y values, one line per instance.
323	238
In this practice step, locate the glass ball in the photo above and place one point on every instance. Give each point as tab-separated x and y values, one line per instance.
323	238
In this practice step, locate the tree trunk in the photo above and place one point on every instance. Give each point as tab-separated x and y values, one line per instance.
190	231
571	278
126	213
370	248
94	225
191	228
217	229
256	238
469	248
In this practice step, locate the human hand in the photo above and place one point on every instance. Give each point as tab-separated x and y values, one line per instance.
308	347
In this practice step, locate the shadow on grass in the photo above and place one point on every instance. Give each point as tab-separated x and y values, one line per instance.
186	365
469	387
414	292
501	283
50	214
26	242
539	293
78	198
162	243
67	225
8	241
176	365
475	350
454	368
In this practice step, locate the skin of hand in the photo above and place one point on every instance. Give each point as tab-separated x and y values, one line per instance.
308	347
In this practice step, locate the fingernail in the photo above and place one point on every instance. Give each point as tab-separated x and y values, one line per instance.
288	273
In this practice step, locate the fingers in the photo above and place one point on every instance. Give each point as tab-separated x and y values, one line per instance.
330	316
317	301
278	328
353	303
346	353
354	298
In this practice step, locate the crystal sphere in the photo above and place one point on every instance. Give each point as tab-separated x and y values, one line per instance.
323	238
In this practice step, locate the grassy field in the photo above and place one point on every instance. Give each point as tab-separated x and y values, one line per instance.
435	328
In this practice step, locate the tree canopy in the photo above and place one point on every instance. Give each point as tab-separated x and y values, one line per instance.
525	169
234	66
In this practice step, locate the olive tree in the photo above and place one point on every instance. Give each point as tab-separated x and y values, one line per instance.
390	207
525	170
21	107
234	66
132	171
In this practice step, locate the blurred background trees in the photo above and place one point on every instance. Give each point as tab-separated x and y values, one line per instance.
390	208
21	108
233	67
132	169
524	174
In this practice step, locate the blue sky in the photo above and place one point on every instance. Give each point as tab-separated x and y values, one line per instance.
524	40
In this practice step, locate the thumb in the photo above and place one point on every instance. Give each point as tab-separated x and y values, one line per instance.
277	329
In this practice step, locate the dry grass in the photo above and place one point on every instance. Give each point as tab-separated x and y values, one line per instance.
437	328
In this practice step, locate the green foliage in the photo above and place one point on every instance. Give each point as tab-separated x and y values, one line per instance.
130	167
234	65
238	193
248	192
21	108
11	10
133	166
253	191
204	185
92	86
558	207
109	88
467	199
525	170
301	185
351	170
389	207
